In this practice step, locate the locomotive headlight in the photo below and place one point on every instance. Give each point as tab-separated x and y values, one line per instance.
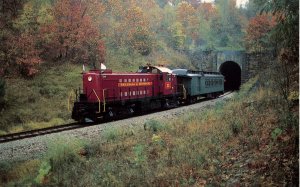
90	78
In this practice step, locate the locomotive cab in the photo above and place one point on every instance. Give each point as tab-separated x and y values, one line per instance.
167	80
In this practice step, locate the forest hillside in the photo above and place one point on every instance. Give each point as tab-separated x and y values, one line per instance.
44	45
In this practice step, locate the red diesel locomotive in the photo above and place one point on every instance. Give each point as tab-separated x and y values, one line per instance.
106	94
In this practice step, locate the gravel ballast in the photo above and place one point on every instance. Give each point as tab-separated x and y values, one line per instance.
33	148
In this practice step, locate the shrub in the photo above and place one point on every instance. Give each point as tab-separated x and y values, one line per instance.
235	127
43	172
113	133
18	173
63	156
154	126
139	154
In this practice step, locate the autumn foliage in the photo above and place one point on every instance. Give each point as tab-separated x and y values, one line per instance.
77	31
64	31
27	54
258	32
186	14
71	34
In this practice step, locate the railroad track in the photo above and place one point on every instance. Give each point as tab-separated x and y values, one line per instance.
38	132
65	127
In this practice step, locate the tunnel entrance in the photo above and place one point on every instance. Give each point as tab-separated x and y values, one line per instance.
232	73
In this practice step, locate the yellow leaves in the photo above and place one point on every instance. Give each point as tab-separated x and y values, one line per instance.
45	14
156	138
293	96
186	14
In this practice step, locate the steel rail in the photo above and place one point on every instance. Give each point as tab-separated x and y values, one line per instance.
38	132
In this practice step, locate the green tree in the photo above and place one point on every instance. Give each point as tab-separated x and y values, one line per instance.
186	15
162	3
251	9
229	29
138	34
178	37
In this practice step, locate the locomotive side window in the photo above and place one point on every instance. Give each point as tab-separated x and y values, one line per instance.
154	71
168	77
137	80
125	80
133	80
129	80
120	80
144	80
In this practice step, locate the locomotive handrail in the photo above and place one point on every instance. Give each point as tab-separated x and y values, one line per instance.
104	103
184	92
98	101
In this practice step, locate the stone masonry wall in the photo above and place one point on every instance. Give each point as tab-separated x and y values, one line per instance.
250	63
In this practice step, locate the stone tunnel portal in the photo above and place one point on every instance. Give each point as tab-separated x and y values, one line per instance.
232	73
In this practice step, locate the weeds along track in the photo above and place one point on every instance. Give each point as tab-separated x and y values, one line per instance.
76	125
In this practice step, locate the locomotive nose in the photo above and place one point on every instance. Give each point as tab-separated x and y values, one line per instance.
92	86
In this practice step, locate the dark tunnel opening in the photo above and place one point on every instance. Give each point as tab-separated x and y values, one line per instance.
232	74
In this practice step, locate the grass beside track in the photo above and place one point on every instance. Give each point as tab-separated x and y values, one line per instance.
40	102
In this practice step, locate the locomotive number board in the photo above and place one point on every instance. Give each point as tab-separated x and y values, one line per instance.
131	84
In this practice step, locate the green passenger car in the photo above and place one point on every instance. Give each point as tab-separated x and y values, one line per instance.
200	83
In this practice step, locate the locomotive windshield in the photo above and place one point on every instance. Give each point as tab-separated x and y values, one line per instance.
154	69
148	69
